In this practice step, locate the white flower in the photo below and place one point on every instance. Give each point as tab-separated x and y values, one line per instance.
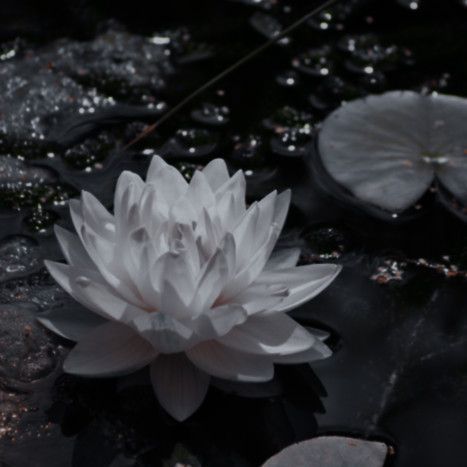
182	280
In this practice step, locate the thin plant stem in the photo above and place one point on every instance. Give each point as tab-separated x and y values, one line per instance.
148	130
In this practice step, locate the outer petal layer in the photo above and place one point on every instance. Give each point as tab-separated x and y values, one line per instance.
180	387
269	335
222	362
111	349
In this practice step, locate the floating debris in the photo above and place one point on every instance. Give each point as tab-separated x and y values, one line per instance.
390	271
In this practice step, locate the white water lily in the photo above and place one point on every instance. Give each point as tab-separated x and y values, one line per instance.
388	149
181	278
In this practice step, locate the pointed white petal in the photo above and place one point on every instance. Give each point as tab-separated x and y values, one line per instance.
85	287
282	208
259	298
318	351
108	264
167	180
320	334
218	321
156	168
76	213
244	234
152	208
212	280
235	184
111	349
97	217
199	193
283	259
172	303
166	334
183	211
122	198
271	335
73	249
253	267
127	212
70	322
178	272
304	282
180	387
209	233
266	213
222	362
216	173
229	249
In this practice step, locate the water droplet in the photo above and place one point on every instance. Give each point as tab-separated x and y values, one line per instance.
40	220
332	19
268	26
367	55
187	169
332	92
314	62
248	151
293	142
191	142
288	78
211	114
288	117
22	185
410	4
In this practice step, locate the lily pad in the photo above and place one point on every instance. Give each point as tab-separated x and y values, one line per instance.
331	451
388	149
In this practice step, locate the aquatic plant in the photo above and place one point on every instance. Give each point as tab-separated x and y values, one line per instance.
181	278
389	149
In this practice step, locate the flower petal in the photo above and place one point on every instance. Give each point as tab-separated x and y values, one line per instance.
253	267
96	216
218	321
166	334
172	303
269	335
124	196
304	282
282	208
111	349
318	351
283	259
85	287
73	249
216	173
232	195
168	181
222	362
70	322
180	387
199	193
261	297
212	280
102	253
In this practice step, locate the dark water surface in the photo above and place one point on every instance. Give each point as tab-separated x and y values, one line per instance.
80	79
